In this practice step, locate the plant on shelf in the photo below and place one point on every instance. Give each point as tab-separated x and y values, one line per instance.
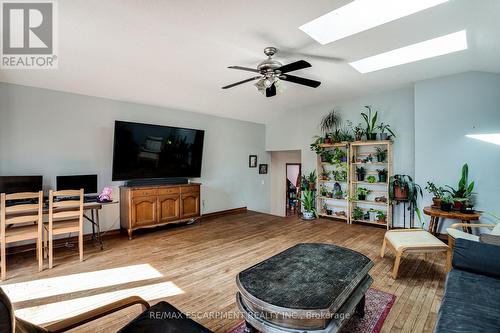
381	154
464	191
381	216
316	145
329	194
340	175
403	188
327	210
327	156
342	134
325	175
357	214
371	179
339	156
358	131
307	201
361	193
437	192
330	123
323	190
338	195
383	135
372	215
368	159
360	173
446	203
371	121
382	175
311	180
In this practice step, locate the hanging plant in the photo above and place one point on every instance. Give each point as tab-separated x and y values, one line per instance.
330	122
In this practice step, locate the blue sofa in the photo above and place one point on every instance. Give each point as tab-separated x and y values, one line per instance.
471	302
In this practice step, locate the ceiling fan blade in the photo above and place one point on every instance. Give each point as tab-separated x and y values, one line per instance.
300	80
245	69
271	91
241	82
301	64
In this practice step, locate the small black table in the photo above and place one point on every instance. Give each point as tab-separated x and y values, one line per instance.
309	287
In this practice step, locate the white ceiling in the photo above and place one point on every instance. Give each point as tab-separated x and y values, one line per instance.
175	53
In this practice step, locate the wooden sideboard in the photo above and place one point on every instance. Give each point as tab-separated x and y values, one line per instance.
151	206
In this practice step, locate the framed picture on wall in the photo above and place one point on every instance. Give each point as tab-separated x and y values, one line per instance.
263	169
252	161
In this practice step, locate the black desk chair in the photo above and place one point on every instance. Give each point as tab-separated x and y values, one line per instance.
160	318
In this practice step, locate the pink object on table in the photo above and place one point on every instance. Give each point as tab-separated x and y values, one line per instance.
106	194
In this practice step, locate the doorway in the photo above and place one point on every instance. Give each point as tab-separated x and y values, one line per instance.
292	191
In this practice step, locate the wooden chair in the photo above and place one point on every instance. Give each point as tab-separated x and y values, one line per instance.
16	224
65	216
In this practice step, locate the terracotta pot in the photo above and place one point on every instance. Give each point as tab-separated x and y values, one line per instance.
457	205
328	140
312	186
436	201
400	193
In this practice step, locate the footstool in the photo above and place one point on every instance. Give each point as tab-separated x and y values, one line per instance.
414	241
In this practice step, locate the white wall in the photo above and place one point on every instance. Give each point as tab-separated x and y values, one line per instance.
53	133
279	159
446	110
295	129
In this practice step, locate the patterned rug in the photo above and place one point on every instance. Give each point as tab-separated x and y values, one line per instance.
378	305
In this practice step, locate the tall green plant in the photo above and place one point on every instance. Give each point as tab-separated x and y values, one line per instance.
371	121
465	189
414	190
308	201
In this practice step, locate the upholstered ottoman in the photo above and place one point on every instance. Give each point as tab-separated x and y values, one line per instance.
414	241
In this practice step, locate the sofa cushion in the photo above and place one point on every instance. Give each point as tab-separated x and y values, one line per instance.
455	233
163	318
490	239
470	304
476	257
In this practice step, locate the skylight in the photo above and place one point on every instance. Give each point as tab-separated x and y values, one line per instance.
430	48
361	15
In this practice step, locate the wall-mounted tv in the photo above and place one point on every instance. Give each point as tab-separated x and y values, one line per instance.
143	151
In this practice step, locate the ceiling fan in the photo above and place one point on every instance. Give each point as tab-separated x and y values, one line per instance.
272	71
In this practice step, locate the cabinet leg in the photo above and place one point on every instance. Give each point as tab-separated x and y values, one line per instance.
360	308
129	231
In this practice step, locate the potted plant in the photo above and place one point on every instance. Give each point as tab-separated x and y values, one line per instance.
370	123
323	191
382	175
359	131
311	180
326	156
330	122
360	173
446	203
464	190
381	154
316	145
339	156
467	207
371	179
329	194
403	188
361	193
327	210
307	201
437	192
385	127
357	214
338	194
325	174
372	213
381	217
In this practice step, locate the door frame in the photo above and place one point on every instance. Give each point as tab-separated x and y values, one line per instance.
286	187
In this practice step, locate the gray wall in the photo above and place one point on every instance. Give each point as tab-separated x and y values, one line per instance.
446	110
54	133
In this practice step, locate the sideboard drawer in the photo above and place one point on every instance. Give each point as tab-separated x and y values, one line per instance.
190	189
168	191
144	192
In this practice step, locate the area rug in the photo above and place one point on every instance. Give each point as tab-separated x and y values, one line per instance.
377	308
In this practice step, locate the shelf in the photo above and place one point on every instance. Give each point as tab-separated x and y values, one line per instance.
367	183
334	216
372	143
326	198
334	164
336	205
371	163
333	181
343	144
371	222
368	202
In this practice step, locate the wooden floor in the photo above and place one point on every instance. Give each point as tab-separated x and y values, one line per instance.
203	259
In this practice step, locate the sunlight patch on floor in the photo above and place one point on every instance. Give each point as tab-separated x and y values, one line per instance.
65	284
59	310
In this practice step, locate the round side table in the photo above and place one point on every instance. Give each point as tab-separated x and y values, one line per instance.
436	214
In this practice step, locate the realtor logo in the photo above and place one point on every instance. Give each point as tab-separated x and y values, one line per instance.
28	35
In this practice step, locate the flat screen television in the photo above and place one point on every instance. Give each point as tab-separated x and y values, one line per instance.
144	151
76	182
18	184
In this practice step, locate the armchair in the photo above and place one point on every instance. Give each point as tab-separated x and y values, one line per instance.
454	232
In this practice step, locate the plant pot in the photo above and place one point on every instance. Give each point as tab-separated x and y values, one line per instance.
383	136
312	186
361	196
373	216
446	206
323	158
329	212
400	193
308	216
467	209
329	195
382	178
381	221
359	137
457	205
380	158
327	140
371	137
343	159
436	201
361	177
